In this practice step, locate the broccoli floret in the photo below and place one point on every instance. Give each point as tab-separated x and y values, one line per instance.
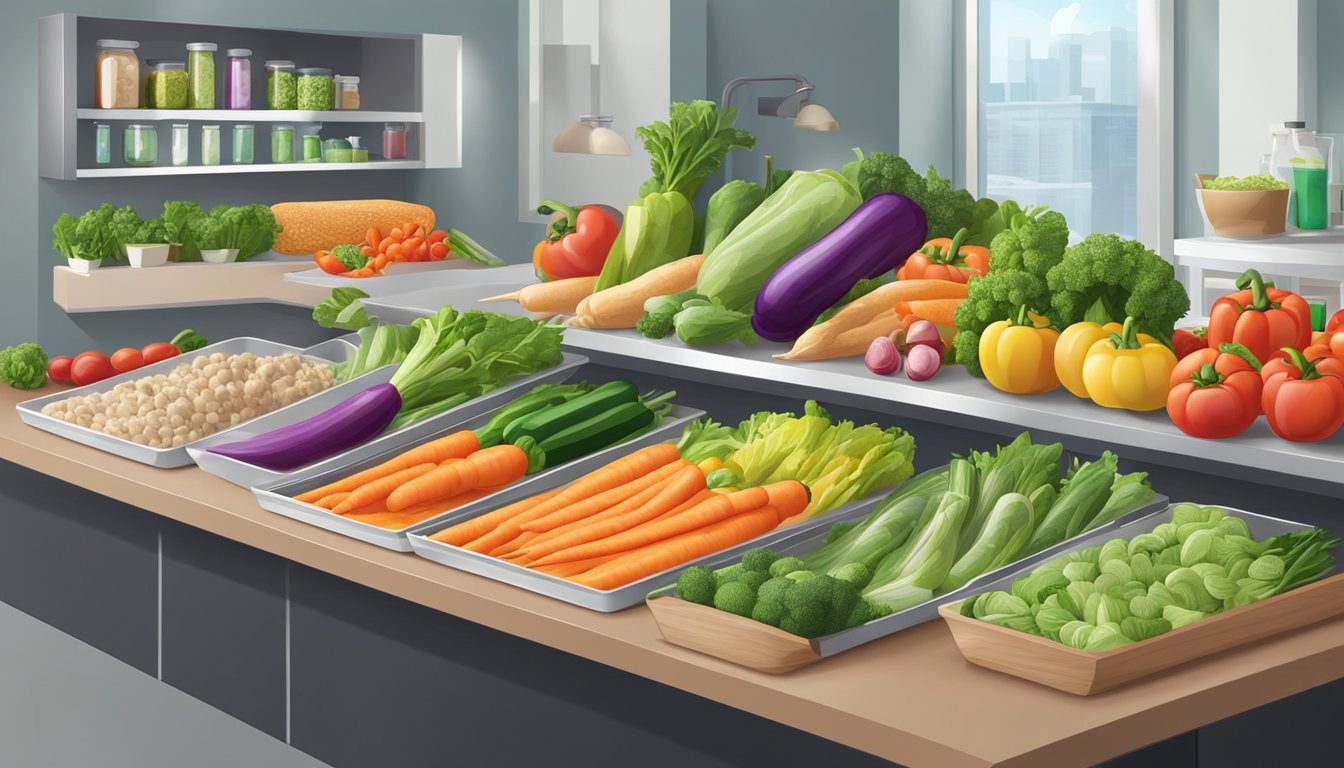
1106	279
808	605
771	612
773	590
655	326
697	585
25	366
857	574
947	209
753	579
786	565
885	172
350	256
865	611
844	597
799	576
735	597
759	559
725	575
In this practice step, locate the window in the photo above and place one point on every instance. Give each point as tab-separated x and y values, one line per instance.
1058	108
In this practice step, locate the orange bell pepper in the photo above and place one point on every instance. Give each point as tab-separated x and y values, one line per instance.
946	259
1215	393
1261	317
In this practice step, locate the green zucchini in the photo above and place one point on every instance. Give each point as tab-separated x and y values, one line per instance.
602	431
540	398
542	424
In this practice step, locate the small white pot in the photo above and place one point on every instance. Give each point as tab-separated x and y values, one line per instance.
84	265
219	255
148	255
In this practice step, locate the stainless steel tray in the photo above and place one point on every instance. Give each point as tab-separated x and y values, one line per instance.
249	475
278	497
30	411
829	645
621	597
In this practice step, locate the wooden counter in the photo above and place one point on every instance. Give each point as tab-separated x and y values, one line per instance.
909	698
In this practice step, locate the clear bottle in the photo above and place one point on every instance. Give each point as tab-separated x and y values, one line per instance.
201	75
116	83
102	143
394	141
238	79
347	92
209	145
243	135
282	144
181	145
281	92
140	145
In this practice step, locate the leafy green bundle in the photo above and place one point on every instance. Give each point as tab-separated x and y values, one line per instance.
249	228
690	146
1126	590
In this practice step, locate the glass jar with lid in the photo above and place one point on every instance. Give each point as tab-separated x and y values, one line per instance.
238	79
280	89
317	90
394	141
180	143
209	145
201	75
312	143
166	84
358	154
116	82
140	145
102	143
243	139
282	144
347	92
336	151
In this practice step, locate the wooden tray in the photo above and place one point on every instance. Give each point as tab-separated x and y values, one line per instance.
731	637
1080	672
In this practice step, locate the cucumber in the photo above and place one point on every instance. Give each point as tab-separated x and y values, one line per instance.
602	431
539	398
542	424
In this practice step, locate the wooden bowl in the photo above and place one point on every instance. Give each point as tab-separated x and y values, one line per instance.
1243	214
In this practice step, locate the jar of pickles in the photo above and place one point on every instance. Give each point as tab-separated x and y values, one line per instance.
201	75
282	144
166	84
238	79
117	75
317	90
140	145
280	90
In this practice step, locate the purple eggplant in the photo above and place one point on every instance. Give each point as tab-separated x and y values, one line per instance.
877	238
336	429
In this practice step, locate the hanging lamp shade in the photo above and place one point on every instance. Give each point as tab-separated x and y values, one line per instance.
814	117
591	135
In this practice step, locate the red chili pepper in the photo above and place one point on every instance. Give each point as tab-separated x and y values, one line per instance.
1261	317
1215	393
1303	404
577	241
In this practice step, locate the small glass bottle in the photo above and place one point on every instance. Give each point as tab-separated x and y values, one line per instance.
394	141
282	144
102	143
201	75
209	145
242	144
180	143
347	92
140	145
238	79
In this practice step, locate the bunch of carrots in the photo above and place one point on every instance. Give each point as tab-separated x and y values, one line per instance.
409	242
633	518
440	475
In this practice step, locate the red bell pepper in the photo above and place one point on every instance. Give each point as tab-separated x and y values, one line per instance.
1184	343
1318	356
1335	323
1302	403
1261	317
1215	393
577	241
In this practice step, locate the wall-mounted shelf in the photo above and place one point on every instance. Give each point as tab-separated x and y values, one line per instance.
404	78
250	115
1297	256
196	170
111	289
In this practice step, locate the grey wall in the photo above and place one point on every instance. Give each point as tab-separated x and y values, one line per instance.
1196	100
1330	60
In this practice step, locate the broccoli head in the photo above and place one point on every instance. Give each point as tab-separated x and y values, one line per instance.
1106	279
786	565
857	574
725	575
884	172
25	366
655	326
350	256
735	597
948	210
697	585
769	607
759	559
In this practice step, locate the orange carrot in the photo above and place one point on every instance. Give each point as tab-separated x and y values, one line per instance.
496	465
567	570
380	488
378	514
687	482
373	236
476	527
690	503
521	541
705	514
606	500
936	311
669	553
513	549
457	445
619	472
327	502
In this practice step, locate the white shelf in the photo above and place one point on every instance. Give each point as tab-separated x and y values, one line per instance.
250	115
1315	255
197	170
111	289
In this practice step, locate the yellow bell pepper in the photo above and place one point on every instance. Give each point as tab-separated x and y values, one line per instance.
1072	348
1126	371
1018	356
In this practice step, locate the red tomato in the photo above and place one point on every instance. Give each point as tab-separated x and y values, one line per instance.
127	359
58	370
91	367
158	351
